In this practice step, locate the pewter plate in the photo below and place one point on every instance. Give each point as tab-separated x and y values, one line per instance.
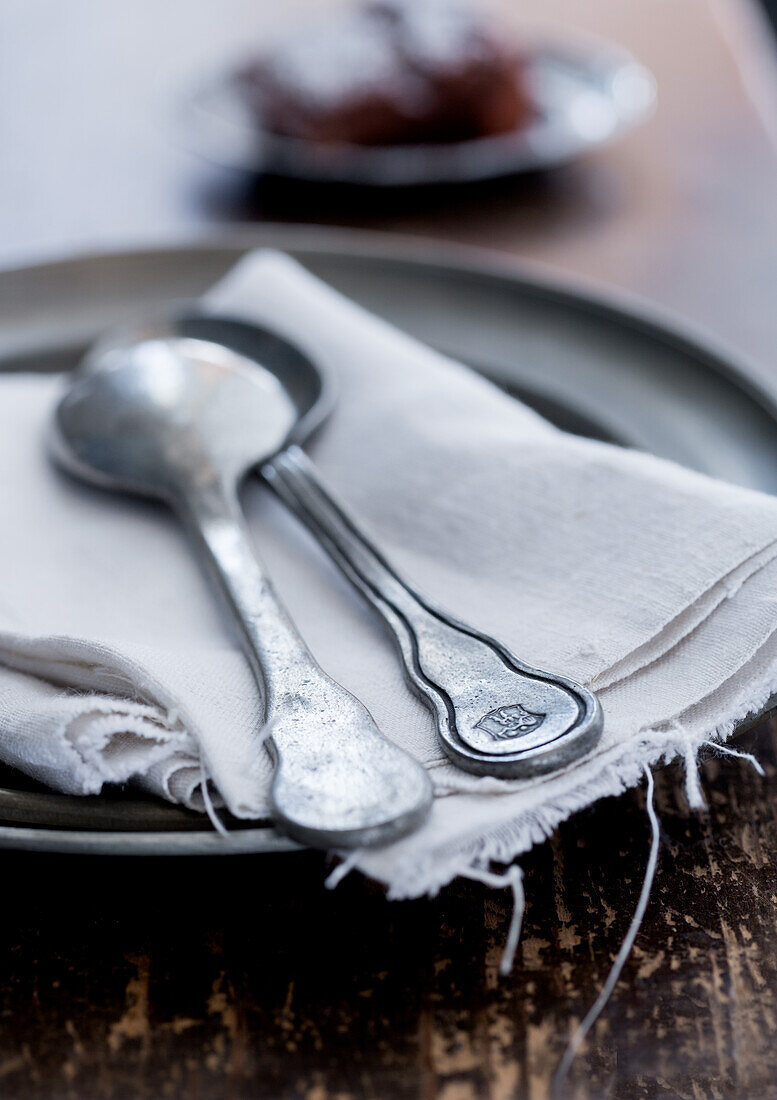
592	366
585	95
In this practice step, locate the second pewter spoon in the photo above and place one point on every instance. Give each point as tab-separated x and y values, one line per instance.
495	715
184	422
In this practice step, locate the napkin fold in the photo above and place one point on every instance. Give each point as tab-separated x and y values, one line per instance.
656	585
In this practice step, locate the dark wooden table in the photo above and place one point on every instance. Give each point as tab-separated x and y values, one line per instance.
243	977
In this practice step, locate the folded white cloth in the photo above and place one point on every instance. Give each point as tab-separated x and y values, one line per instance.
656	585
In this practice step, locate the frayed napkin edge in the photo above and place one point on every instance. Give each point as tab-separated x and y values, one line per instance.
610	775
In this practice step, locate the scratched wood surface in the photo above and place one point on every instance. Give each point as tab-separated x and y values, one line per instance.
244	977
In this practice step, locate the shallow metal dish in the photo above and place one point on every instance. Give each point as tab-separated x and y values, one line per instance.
585	96
586	363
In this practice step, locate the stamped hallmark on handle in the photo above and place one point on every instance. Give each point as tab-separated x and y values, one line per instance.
505	723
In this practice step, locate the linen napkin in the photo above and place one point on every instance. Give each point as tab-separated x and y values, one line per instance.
655	585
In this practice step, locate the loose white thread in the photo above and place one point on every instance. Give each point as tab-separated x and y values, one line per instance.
625	950
335	877
693	791
215	820
513	877
748	756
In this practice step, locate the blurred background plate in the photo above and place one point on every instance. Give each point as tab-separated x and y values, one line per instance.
585	95
592	366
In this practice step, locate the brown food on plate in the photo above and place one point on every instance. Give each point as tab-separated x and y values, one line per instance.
390	72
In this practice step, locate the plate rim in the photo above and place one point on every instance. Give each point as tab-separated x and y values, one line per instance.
543	280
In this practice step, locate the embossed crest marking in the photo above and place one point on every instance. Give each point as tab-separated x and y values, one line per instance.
506	722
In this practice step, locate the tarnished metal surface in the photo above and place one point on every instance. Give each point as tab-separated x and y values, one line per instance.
495	715
182	419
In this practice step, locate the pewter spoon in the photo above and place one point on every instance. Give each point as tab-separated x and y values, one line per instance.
495	715
184	421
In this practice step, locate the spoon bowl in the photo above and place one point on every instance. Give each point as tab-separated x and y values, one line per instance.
158	418
186	391
309	387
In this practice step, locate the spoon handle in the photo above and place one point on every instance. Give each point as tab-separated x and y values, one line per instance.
495	715
338	783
